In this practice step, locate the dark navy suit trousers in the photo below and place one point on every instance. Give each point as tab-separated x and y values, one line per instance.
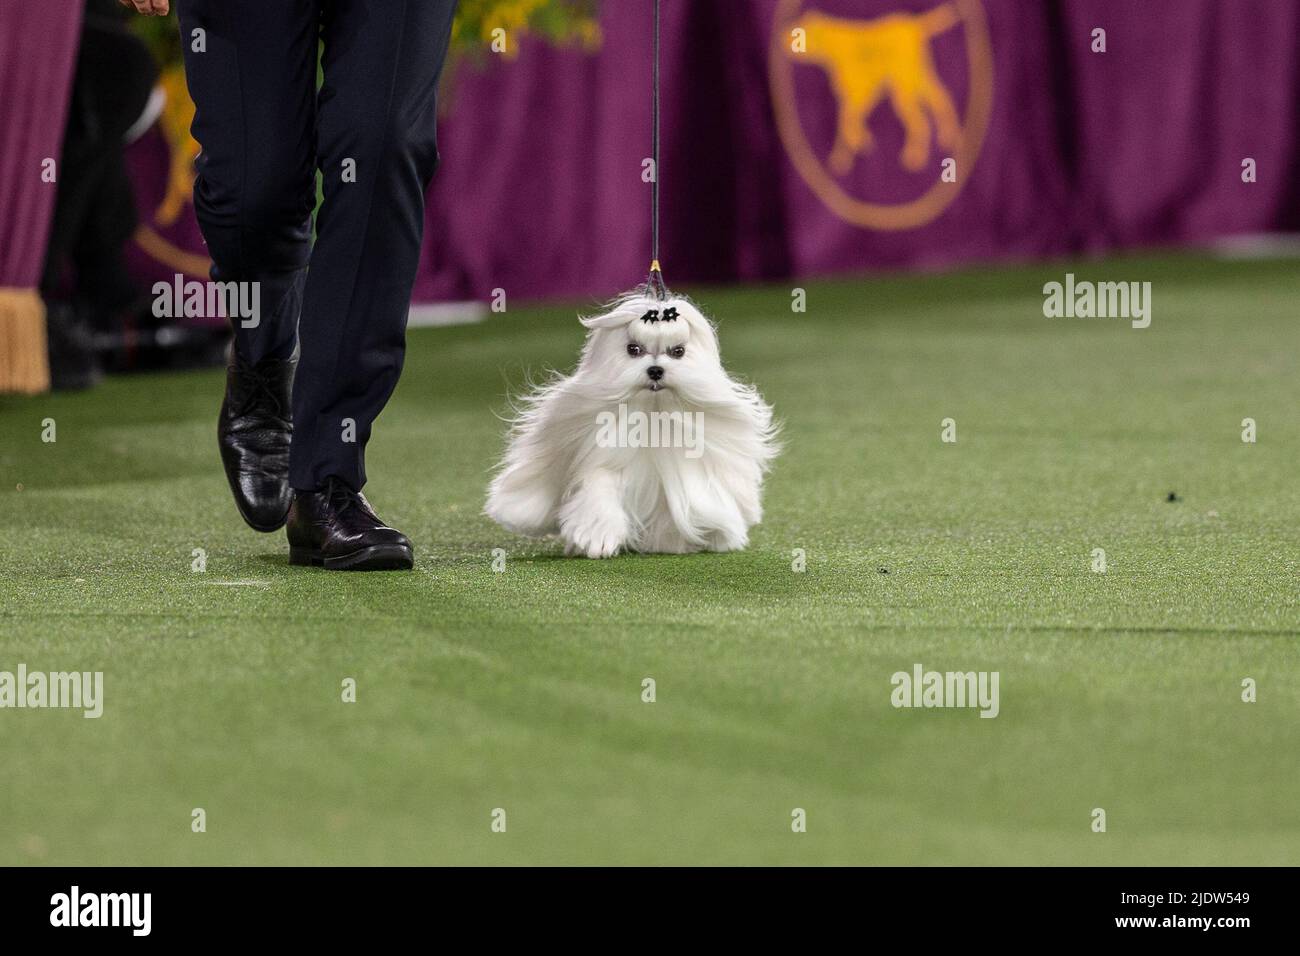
264	130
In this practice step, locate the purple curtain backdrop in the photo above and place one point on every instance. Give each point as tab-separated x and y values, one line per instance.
1163	121
540	190
38	48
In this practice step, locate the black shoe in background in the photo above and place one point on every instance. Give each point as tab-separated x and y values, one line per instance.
73	362
253	431
336	528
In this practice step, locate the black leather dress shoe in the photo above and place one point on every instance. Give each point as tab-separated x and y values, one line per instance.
254	431
336	528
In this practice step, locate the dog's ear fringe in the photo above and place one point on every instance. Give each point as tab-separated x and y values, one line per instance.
523	403
631	305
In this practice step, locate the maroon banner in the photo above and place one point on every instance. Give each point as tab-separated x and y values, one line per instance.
1162	126
807	137
888	134
167	241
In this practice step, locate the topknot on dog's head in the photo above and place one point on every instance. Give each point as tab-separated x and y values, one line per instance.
649	312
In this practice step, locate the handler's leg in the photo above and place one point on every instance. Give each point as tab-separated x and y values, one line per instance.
251	69
377	153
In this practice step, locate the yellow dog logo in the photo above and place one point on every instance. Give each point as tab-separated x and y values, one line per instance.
869	62
889	56
177	115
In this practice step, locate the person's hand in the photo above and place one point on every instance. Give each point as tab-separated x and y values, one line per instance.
150	8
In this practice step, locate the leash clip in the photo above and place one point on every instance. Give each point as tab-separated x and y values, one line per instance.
658	288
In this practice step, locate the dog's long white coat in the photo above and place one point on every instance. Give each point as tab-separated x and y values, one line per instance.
555	478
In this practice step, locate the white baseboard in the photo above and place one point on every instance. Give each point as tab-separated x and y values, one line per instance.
425	315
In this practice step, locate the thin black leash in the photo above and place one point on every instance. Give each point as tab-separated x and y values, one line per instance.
657	285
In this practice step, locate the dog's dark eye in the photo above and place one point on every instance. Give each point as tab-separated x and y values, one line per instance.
634	350
677	351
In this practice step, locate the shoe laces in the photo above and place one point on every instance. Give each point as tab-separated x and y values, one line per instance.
257	389
340	494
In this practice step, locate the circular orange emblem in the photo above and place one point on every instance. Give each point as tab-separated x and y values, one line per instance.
883	62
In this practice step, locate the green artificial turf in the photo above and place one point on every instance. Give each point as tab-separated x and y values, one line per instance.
522	690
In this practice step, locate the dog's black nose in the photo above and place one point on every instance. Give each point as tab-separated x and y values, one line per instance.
655	372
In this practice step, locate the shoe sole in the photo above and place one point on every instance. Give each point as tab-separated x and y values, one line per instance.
264	528
379	557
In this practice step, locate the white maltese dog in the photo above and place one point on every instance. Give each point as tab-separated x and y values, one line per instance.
648	446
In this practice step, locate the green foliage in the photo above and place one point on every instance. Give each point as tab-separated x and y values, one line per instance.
557	21
162	34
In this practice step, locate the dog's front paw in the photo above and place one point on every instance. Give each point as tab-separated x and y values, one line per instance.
600	537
